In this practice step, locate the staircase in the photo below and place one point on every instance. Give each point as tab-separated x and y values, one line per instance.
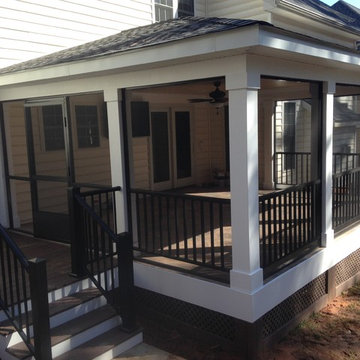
83	326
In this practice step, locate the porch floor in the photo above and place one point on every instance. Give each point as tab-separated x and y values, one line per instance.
57	256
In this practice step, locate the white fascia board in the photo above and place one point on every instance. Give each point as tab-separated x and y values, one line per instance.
207	46
207	294
280	41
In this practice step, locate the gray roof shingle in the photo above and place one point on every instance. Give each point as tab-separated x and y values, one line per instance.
348	10
136	38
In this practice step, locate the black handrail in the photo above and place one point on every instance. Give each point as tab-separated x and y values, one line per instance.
100	253
288	222
189	228
23	296
346	199
291	168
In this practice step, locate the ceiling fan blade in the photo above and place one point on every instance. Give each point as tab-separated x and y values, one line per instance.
199	100
222	100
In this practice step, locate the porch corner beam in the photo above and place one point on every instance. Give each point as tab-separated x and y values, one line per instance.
246	274
327	232
112	98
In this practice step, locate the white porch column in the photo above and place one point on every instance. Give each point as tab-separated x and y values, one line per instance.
4	218
112	97
327	232
246	274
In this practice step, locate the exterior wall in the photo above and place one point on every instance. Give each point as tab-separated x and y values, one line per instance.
248	9
302	137
300	23
91	164
217	141
200	7
33	28
18	161
208	140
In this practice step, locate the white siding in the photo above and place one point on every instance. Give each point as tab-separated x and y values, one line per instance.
32	28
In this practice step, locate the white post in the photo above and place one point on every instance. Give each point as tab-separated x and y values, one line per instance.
4	218
327	232
246	274
113	103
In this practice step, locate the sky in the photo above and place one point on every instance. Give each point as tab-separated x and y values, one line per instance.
351	2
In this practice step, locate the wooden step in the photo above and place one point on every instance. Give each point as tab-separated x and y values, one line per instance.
75	332
105	346
57	307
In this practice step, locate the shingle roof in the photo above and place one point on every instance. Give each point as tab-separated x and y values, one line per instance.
345	19
343	114
348	10
140	37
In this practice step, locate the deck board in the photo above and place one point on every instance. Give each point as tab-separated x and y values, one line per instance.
57	256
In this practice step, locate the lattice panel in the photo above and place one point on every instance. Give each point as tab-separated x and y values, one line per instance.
347	268
196	316
294	305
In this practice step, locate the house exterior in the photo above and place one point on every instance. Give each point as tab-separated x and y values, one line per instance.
200	120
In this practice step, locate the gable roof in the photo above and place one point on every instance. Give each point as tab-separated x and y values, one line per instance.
136	38
344	115
346	19
348	10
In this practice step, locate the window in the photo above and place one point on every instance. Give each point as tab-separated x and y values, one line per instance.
53	127
185	8
87	126
163	10
289	134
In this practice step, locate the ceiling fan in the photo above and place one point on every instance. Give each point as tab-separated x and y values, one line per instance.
216	96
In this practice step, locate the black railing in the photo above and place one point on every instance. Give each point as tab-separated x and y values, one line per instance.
288	222
345	162
24	296
346	198
292	168
102	254
189	228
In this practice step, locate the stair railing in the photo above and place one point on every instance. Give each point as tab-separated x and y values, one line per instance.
100	253
24	296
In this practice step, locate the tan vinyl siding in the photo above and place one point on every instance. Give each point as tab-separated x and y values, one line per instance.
14	116
92	164
202	145
141	162
16	138
247	9
31	28
217	141
200	7
261	142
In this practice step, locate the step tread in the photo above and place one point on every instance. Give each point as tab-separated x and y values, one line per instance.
57	307
69	329
98	345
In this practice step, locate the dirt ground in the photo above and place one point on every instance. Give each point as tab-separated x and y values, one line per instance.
331	334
